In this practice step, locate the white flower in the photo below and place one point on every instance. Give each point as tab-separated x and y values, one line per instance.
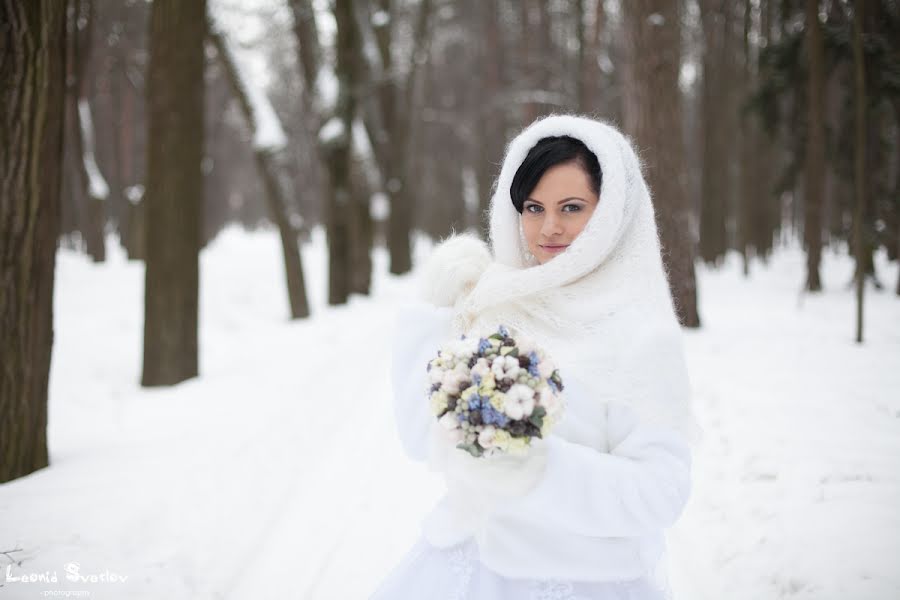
456	436
481	368
526	346
462	348
453	379
505	367
436	375
486	437
450	382
550	401
519	401
449	421
546	368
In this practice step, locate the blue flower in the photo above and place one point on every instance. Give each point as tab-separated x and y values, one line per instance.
490	416
483	345
533	364
474	402
503	331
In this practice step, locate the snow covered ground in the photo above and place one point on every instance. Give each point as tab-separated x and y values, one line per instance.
276	472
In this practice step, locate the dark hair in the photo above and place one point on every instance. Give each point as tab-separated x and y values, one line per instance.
549	152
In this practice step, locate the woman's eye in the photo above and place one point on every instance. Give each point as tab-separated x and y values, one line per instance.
534	206
574	207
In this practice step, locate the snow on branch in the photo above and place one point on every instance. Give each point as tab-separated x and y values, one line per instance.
268	135
97	187
332	131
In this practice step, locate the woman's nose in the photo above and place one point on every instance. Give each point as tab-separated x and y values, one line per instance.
551	226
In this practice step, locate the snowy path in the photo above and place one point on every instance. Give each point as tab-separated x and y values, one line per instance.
277	474
798	485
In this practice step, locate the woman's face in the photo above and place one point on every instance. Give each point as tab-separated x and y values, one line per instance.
557	210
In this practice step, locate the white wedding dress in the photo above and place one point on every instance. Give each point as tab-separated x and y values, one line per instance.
622	483
455	573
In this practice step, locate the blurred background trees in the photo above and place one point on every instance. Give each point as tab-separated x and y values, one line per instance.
395	115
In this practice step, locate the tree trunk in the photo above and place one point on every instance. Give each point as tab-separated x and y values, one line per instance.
92	179
589	96
32	92
93	191
766	207
896	194
174	194
814	188
653	36
268	172
581	55
859	80
362	232
714	193
349	226
749	191
389	118
337	147
491	119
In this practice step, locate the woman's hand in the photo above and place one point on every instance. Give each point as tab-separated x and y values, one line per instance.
477	486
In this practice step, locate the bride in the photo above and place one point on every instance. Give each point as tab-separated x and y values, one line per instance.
574	264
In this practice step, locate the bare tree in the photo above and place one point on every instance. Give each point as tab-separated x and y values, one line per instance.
491	117
749	191
336	137
32	91
815	147
265	151
859	85
653	33
715	192
388	113
347	218
175	91
86	186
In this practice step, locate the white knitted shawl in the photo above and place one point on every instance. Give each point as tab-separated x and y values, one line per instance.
588	303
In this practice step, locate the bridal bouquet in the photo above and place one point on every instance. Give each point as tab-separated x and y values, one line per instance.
493	394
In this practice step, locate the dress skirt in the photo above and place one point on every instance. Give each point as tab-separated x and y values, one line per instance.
455	573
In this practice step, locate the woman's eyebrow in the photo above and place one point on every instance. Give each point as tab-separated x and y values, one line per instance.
559	202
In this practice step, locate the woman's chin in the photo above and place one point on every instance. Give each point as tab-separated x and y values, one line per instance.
547	255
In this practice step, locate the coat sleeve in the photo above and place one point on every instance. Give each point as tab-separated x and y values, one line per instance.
418	331
641	485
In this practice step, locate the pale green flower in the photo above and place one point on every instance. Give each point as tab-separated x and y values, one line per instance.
517	445
439	402
502	439
498	399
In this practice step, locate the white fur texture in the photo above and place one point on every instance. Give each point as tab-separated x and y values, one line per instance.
453	268
589	302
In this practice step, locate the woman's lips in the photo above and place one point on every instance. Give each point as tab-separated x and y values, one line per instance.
554	248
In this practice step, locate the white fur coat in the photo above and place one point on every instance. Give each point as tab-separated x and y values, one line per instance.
594	498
